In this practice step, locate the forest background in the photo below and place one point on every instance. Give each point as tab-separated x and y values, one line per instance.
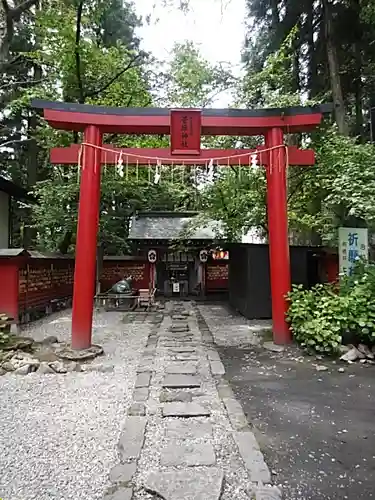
296	53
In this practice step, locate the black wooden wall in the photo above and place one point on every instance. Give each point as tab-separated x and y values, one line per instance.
249	277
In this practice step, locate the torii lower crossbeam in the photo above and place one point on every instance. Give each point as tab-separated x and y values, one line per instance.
94	121
146	157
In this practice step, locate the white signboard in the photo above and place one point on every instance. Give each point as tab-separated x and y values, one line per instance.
176	287
353	245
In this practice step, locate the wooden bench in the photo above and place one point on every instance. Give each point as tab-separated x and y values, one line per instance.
112	301
146	298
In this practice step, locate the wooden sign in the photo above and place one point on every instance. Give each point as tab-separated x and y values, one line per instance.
186	132
353	246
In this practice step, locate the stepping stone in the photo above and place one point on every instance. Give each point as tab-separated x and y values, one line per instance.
182	349
122	473
179	344
213	355
185	410
179	328
132	438
176	338
180	368
170	397
143	380
179	317
188	484
268	493
217	368
178	341
187	454
252	457
188	429
186	357
137	410
145	365
181	381
140	394
121	494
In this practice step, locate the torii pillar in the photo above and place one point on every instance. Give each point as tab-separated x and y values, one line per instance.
278	237
86	243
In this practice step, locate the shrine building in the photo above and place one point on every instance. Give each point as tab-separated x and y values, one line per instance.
186	258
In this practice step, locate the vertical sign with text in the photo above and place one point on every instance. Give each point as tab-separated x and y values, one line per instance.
186	132
353	245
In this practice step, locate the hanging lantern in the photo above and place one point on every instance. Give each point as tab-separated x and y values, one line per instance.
220	255
203	255
152	256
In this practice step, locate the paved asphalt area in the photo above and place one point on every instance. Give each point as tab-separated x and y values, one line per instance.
316	428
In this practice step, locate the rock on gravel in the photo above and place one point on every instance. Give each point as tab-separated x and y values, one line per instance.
45	369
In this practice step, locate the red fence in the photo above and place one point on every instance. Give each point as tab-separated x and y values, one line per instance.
33	283
116	268
43	281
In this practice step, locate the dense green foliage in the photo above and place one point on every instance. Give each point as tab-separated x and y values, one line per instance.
322	316
87	51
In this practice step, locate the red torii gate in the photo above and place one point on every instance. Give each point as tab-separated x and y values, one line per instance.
185	127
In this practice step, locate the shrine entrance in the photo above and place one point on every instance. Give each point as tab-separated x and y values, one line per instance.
185	128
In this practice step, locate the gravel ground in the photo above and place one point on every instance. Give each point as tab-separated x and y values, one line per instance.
230	329
59	432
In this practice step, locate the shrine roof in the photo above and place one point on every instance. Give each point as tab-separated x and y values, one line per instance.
171	226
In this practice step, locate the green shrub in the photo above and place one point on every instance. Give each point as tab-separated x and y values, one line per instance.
322	316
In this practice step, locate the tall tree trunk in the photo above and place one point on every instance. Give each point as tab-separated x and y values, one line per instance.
358	68
334	70
312	56
275	13
30	233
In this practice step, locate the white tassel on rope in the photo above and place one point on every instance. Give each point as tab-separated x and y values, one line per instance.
254	161
120	165
157	172
210	173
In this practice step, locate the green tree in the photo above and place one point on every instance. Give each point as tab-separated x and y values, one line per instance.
337	191
193	81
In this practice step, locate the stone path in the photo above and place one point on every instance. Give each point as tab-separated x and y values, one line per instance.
185	437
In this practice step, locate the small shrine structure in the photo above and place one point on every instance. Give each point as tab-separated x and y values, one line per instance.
186	259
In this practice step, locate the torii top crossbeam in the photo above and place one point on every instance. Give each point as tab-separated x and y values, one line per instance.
185	128
242	122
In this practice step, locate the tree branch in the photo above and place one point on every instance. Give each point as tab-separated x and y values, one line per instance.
20	83
81	99
20	9
7	143
130	65
12	15
5	5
